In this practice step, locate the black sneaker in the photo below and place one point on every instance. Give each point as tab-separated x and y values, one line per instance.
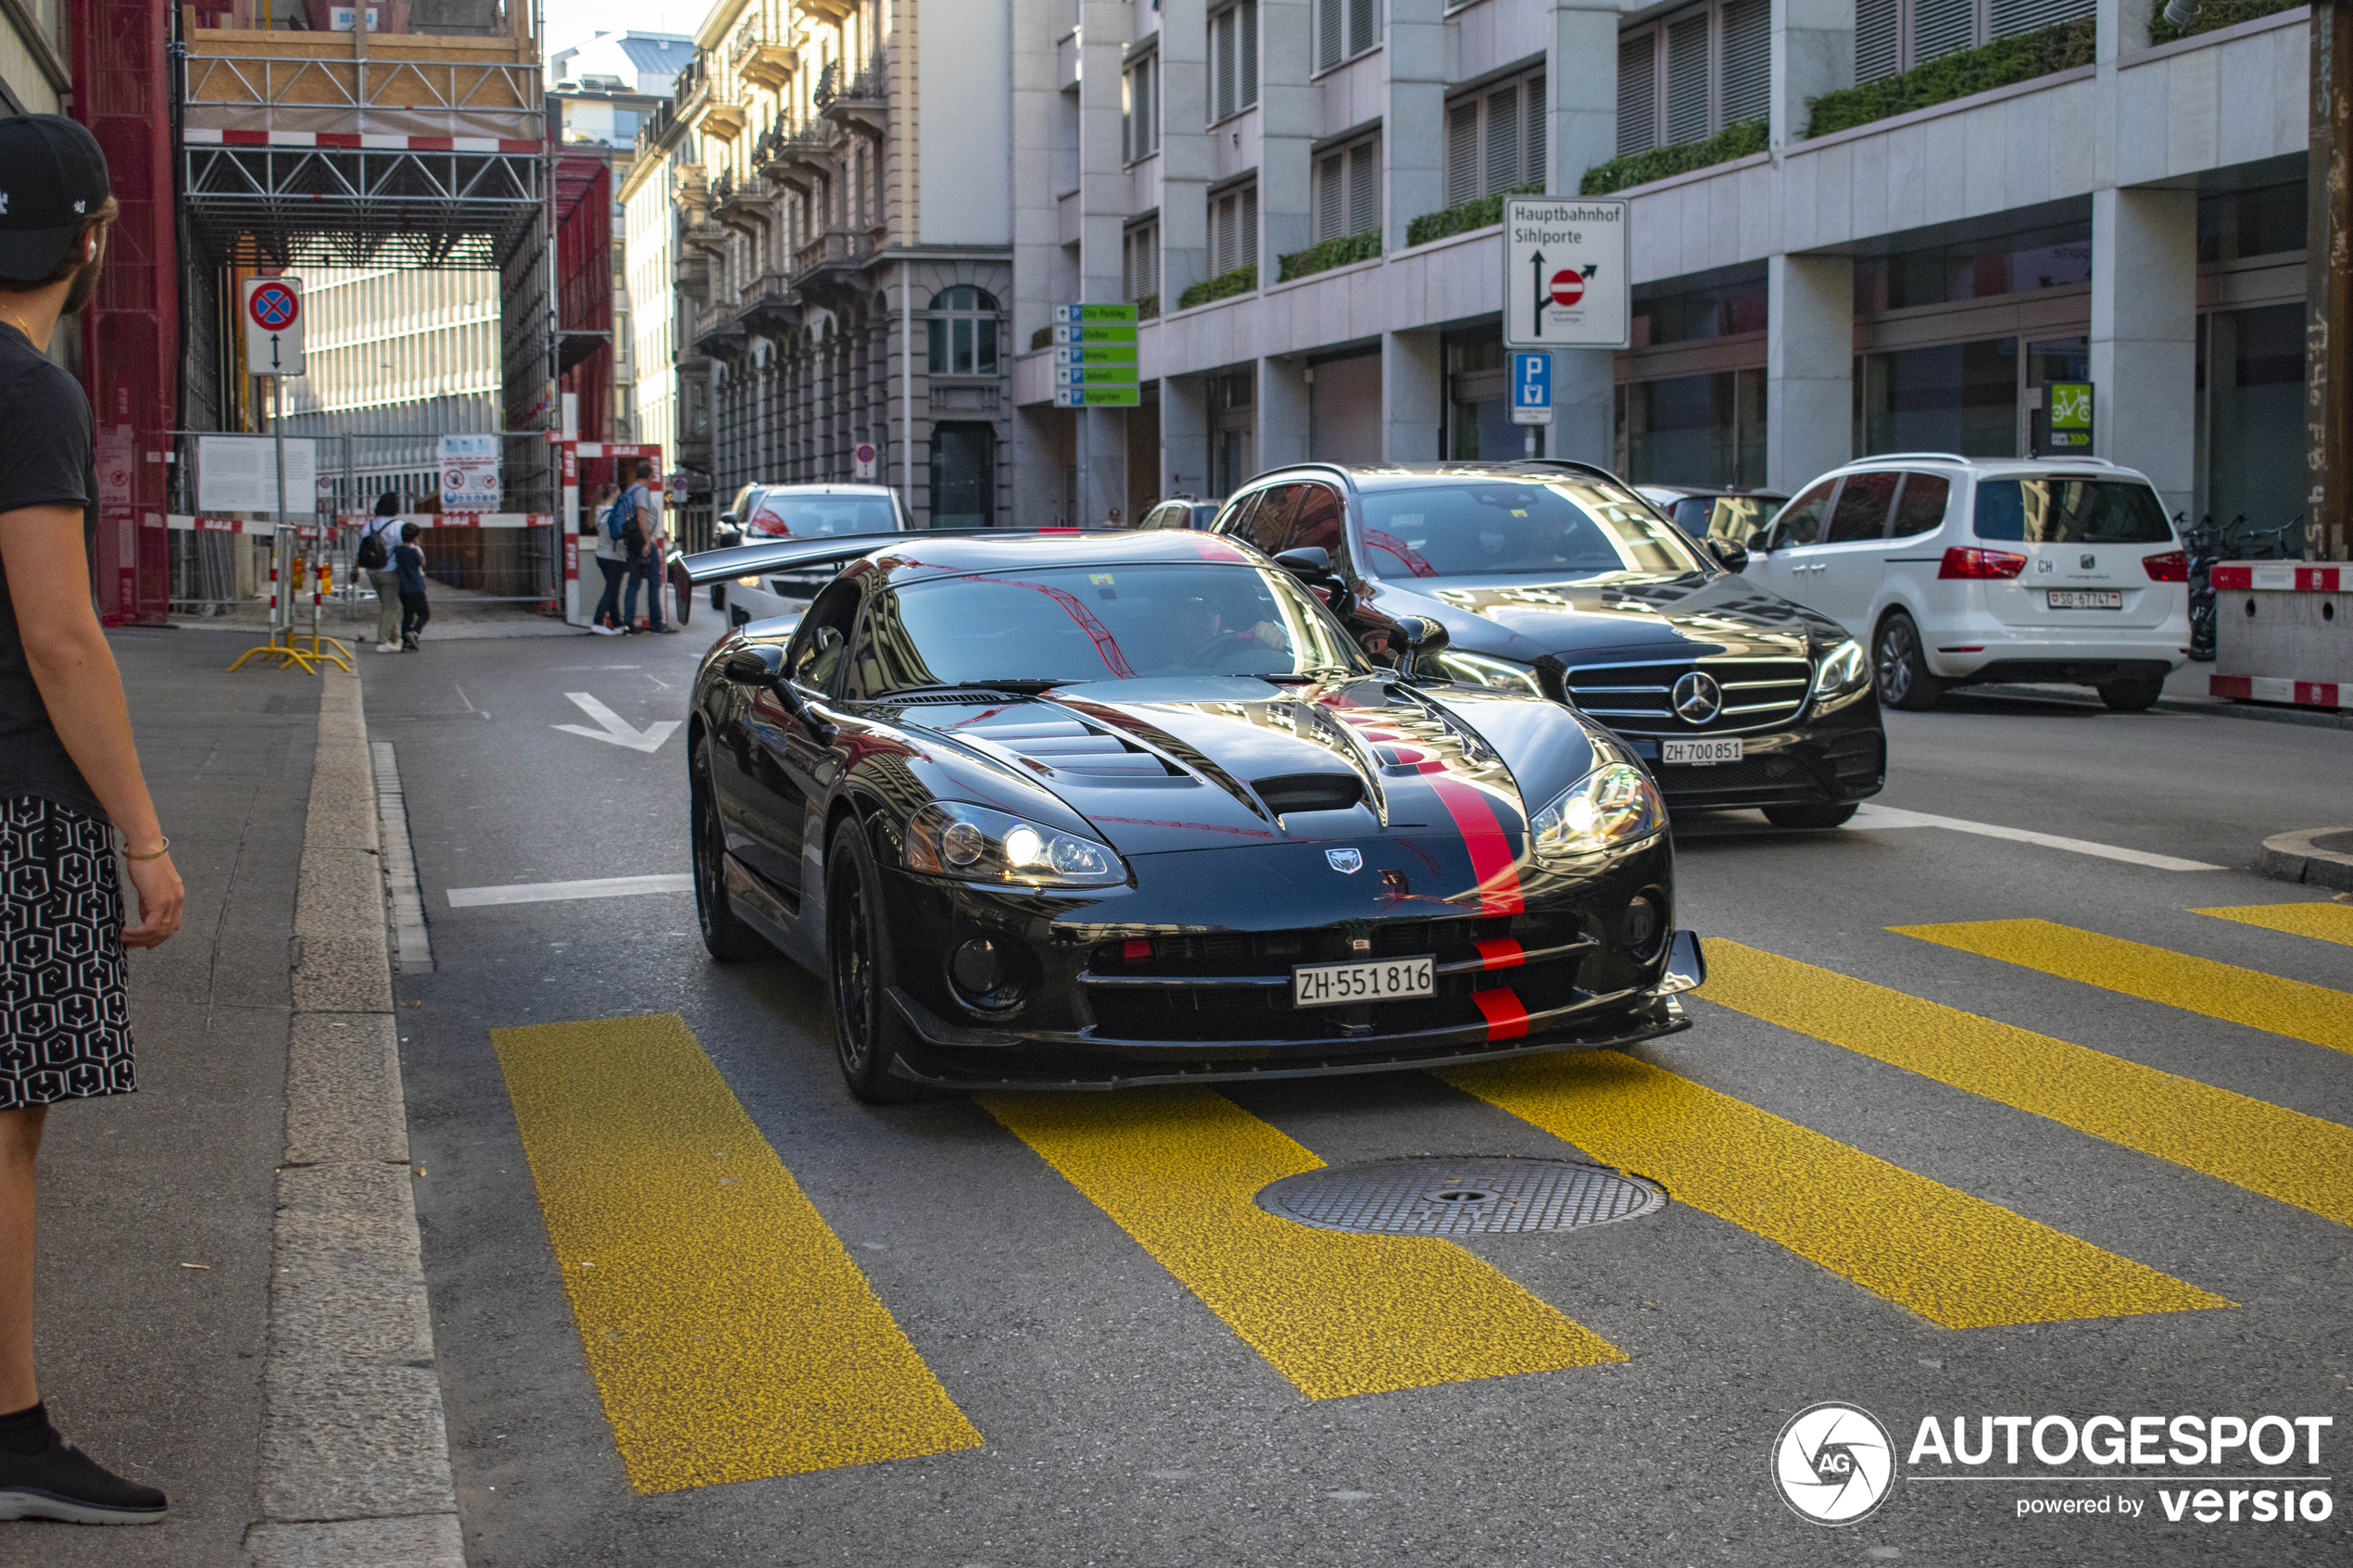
64	1484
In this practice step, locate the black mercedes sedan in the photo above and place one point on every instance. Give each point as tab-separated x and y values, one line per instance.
1553	578
1064	810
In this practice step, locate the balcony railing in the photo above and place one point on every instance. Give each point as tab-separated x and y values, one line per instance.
760	59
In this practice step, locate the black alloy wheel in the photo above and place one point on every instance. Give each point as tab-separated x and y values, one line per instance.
729	939
868	1030
2136	694
1901	668
1811	814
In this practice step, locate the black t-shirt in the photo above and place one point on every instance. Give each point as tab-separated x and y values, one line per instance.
46	460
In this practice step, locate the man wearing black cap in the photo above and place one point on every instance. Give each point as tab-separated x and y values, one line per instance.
71	795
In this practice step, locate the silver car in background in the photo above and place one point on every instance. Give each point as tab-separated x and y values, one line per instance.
763	512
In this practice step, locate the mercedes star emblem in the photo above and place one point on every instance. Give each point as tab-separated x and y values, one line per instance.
1696	698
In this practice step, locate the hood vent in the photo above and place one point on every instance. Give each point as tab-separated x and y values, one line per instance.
1065	746
1287	792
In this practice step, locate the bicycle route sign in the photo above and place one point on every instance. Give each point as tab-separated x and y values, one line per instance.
273	327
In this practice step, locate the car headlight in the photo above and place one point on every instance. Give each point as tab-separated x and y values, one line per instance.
747	582
1614	804
1477	670
975	843
1842	669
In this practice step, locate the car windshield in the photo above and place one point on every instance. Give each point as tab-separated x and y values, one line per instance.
2070	509
802	517
1563	529
1099	623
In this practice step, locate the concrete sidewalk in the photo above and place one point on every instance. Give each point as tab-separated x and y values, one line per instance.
230	1307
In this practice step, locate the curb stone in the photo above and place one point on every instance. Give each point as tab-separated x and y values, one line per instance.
2293	856
355	1454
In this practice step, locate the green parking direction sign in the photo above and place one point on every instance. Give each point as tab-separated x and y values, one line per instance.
1079	315
1098	396
1094	375
1093	332
1095	354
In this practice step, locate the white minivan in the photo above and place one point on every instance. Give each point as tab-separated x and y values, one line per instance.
1959	569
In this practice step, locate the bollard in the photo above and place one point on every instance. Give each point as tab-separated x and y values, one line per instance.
2284	633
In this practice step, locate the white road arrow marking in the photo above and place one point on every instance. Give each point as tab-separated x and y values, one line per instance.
616	728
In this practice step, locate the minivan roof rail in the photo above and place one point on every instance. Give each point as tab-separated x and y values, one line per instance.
1892	457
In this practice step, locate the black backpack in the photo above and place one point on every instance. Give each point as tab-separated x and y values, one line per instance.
371	557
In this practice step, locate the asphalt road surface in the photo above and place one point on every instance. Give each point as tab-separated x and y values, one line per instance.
1969	1128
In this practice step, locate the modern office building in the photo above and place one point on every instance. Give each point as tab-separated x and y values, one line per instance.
1857	226
842	260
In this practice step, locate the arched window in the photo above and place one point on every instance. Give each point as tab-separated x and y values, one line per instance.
964	332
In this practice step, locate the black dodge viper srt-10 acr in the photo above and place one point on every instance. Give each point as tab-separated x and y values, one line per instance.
1083	810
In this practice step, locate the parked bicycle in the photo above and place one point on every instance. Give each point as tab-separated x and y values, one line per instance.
2234	541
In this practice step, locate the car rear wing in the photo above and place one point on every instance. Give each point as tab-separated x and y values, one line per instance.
773	555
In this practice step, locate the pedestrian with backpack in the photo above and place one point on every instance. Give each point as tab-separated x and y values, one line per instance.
375	558
409	561
607	516
643	542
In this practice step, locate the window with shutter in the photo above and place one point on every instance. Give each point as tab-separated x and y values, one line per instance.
1246	256
1878	39
1221	65
1687	117
1222	216
2010	18
1248	11
1364	186
1502	140
1364	25
1332	191
1747	61
1331	46
1637	94
1941	27
1531	105
1462	153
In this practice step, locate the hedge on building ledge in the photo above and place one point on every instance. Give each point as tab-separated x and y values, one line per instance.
1146	306
1481	212
1241	280
2212	14
1322	257
1998	64
1043	338
1737	140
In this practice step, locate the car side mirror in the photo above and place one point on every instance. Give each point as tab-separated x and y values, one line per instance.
1730	553
1309	563
1759	544
1419	636
757	664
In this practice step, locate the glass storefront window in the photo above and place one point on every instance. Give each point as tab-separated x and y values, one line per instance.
1701	313
1703	430
1958	397
2042	259
2232	225
2254	373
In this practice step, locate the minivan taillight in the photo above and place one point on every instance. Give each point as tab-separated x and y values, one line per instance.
2173	566
1959	562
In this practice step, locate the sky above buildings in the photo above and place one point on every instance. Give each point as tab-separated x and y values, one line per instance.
570	23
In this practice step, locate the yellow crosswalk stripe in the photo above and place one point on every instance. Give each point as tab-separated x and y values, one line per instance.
730	1336
1957	1260
2328	922
2267	1148
2293	1007
1335	1314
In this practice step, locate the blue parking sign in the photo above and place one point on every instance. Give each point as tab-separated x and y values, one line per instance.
1532	389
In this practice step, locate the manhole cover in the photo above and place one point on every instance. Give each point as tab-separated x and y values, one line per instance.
1478	1195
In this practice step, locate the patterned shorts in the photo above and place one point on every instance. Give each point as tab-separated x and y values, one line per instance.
65	1028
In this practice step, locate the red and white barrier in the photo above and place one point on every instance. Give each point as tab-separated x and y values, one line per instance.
195	136
2284	633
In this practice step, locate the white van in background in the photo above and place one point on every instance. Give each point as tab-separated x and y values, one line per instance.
1955	569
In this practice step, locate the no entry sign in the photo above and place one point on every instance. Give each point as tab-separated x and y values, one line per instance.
273	327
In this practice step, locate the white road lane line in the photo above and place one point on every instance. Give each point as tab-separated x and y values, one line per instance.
555	892
1890	817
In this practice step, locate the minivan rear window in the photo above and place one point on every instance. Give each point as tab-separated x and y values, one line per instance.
2067	509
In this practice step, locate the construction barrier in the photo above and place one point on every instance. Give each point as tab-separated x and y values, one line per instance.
2284	633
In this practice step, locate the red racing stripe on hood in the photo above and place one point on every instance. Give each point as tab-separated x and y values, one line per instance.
1490	851
1499	952
1506	1014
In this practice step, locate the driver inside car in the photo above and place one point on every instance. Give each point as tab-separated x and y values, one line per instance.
1207	625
